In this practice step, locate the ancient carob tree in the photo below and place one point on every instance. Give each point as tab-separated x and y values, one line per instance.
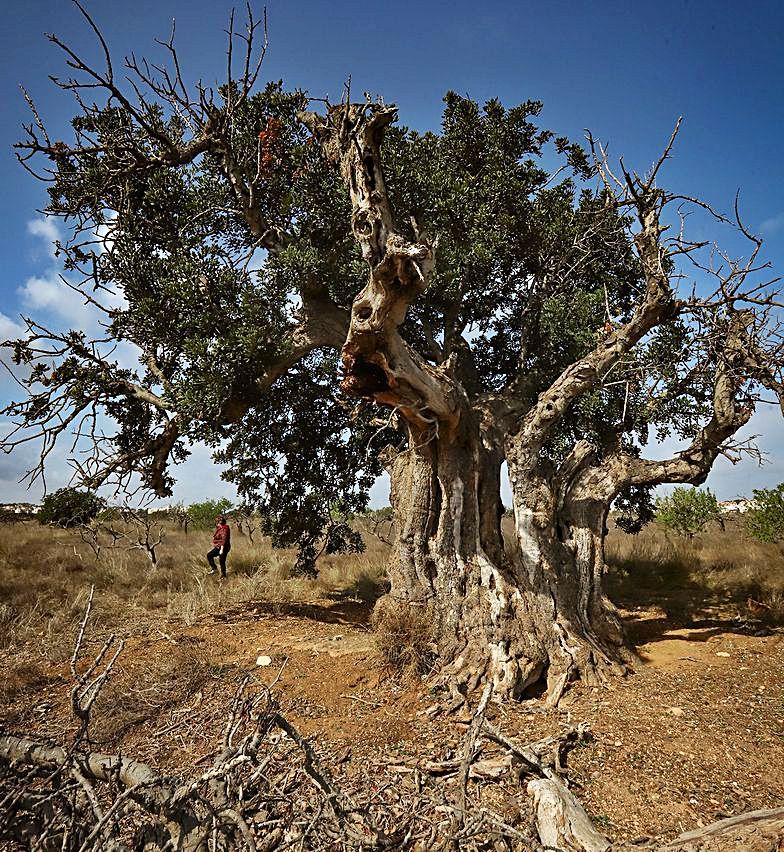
248	240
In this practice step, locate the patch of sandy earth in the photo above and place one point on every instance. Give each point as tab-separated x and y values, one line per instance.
691	736
696	734
691	645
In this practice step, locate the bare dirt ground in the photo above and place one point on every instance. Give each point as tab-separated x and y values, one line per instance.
696	733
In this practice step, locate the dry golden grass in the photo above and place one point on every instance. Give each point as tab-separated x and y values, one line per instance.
404	636
715	566
46	574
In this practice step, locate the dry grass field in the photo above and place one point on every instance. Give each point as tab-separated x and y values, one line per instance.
718	571
694	734
46	574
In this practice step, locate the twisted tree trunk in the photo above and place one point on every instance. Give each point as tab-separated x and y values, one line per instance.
560	527
514	619
535	613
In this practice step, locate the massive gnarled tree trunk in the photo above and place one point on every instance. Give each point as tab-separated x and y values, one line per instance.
534	613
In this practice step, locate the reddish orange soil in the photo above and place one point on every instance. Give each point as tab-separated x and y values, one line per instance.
696	733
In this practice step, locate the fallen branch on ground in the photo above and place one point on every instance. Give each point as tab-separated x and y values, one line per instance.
269	789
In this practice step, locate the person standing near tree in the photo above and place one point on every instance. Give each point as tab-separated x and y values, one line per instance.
221	545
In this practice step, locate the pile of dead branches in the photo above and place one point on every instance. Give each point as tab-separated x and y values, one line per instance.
267	788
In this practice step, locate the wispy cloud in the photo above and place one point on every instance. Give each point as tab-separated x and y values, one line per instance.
10	329
46	293
46	228
772	225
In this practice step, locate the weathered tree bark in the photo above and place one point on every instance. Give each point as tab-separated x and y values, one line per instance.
561	821
511	619
560	530
537	613
563	824
449	554
755	831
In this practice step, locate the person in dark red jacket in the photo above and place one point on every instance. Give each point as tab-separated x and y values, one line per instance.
221	545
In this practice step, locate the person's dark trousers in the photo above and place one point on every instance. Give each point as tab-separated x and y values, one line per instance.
221	559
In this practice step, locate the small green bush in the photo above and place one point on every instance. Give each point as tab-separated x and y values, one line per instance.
70	507
687	510
765	521
202	515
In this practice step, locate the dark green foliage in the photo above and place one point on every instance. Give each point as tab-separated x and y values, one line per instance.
533	267
306	460
765	521
70	507
635	509
687	510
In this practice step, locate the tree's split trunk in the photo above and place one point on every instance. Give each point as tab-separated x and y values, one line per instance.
524	617
515	619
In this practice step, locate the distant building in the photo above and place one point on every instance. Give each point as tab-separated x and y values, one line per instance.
740	505
19	510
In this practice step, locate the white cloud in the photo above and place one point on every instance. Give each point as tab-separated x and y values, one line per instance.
45	228
10	329
772	225
105	234
48	294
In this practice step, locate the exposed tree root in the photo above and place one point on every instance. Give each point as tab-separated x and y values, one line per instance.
267	789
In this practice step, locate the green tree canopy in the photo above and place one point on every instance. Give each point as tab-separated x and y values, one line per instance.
202	515
70	507
687	510
765	520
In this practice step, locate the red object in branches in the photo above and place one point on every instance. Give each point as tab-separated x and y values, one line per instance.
268	138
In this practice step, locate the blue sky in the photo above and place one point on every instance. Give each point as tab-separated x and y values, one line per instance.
624	70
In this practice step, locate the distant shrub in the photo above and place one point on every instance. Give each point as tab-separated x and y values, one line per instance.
14	512
70	507
765	521
687	510
202	515
385	513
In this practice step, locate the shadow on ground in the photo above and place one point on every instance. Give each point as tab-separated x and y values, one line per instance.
660	596
352	613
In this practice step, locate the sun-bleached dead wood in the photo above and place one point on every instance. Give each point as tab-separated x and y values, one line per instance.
73	798
755	831
267	787
561	820
128	526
